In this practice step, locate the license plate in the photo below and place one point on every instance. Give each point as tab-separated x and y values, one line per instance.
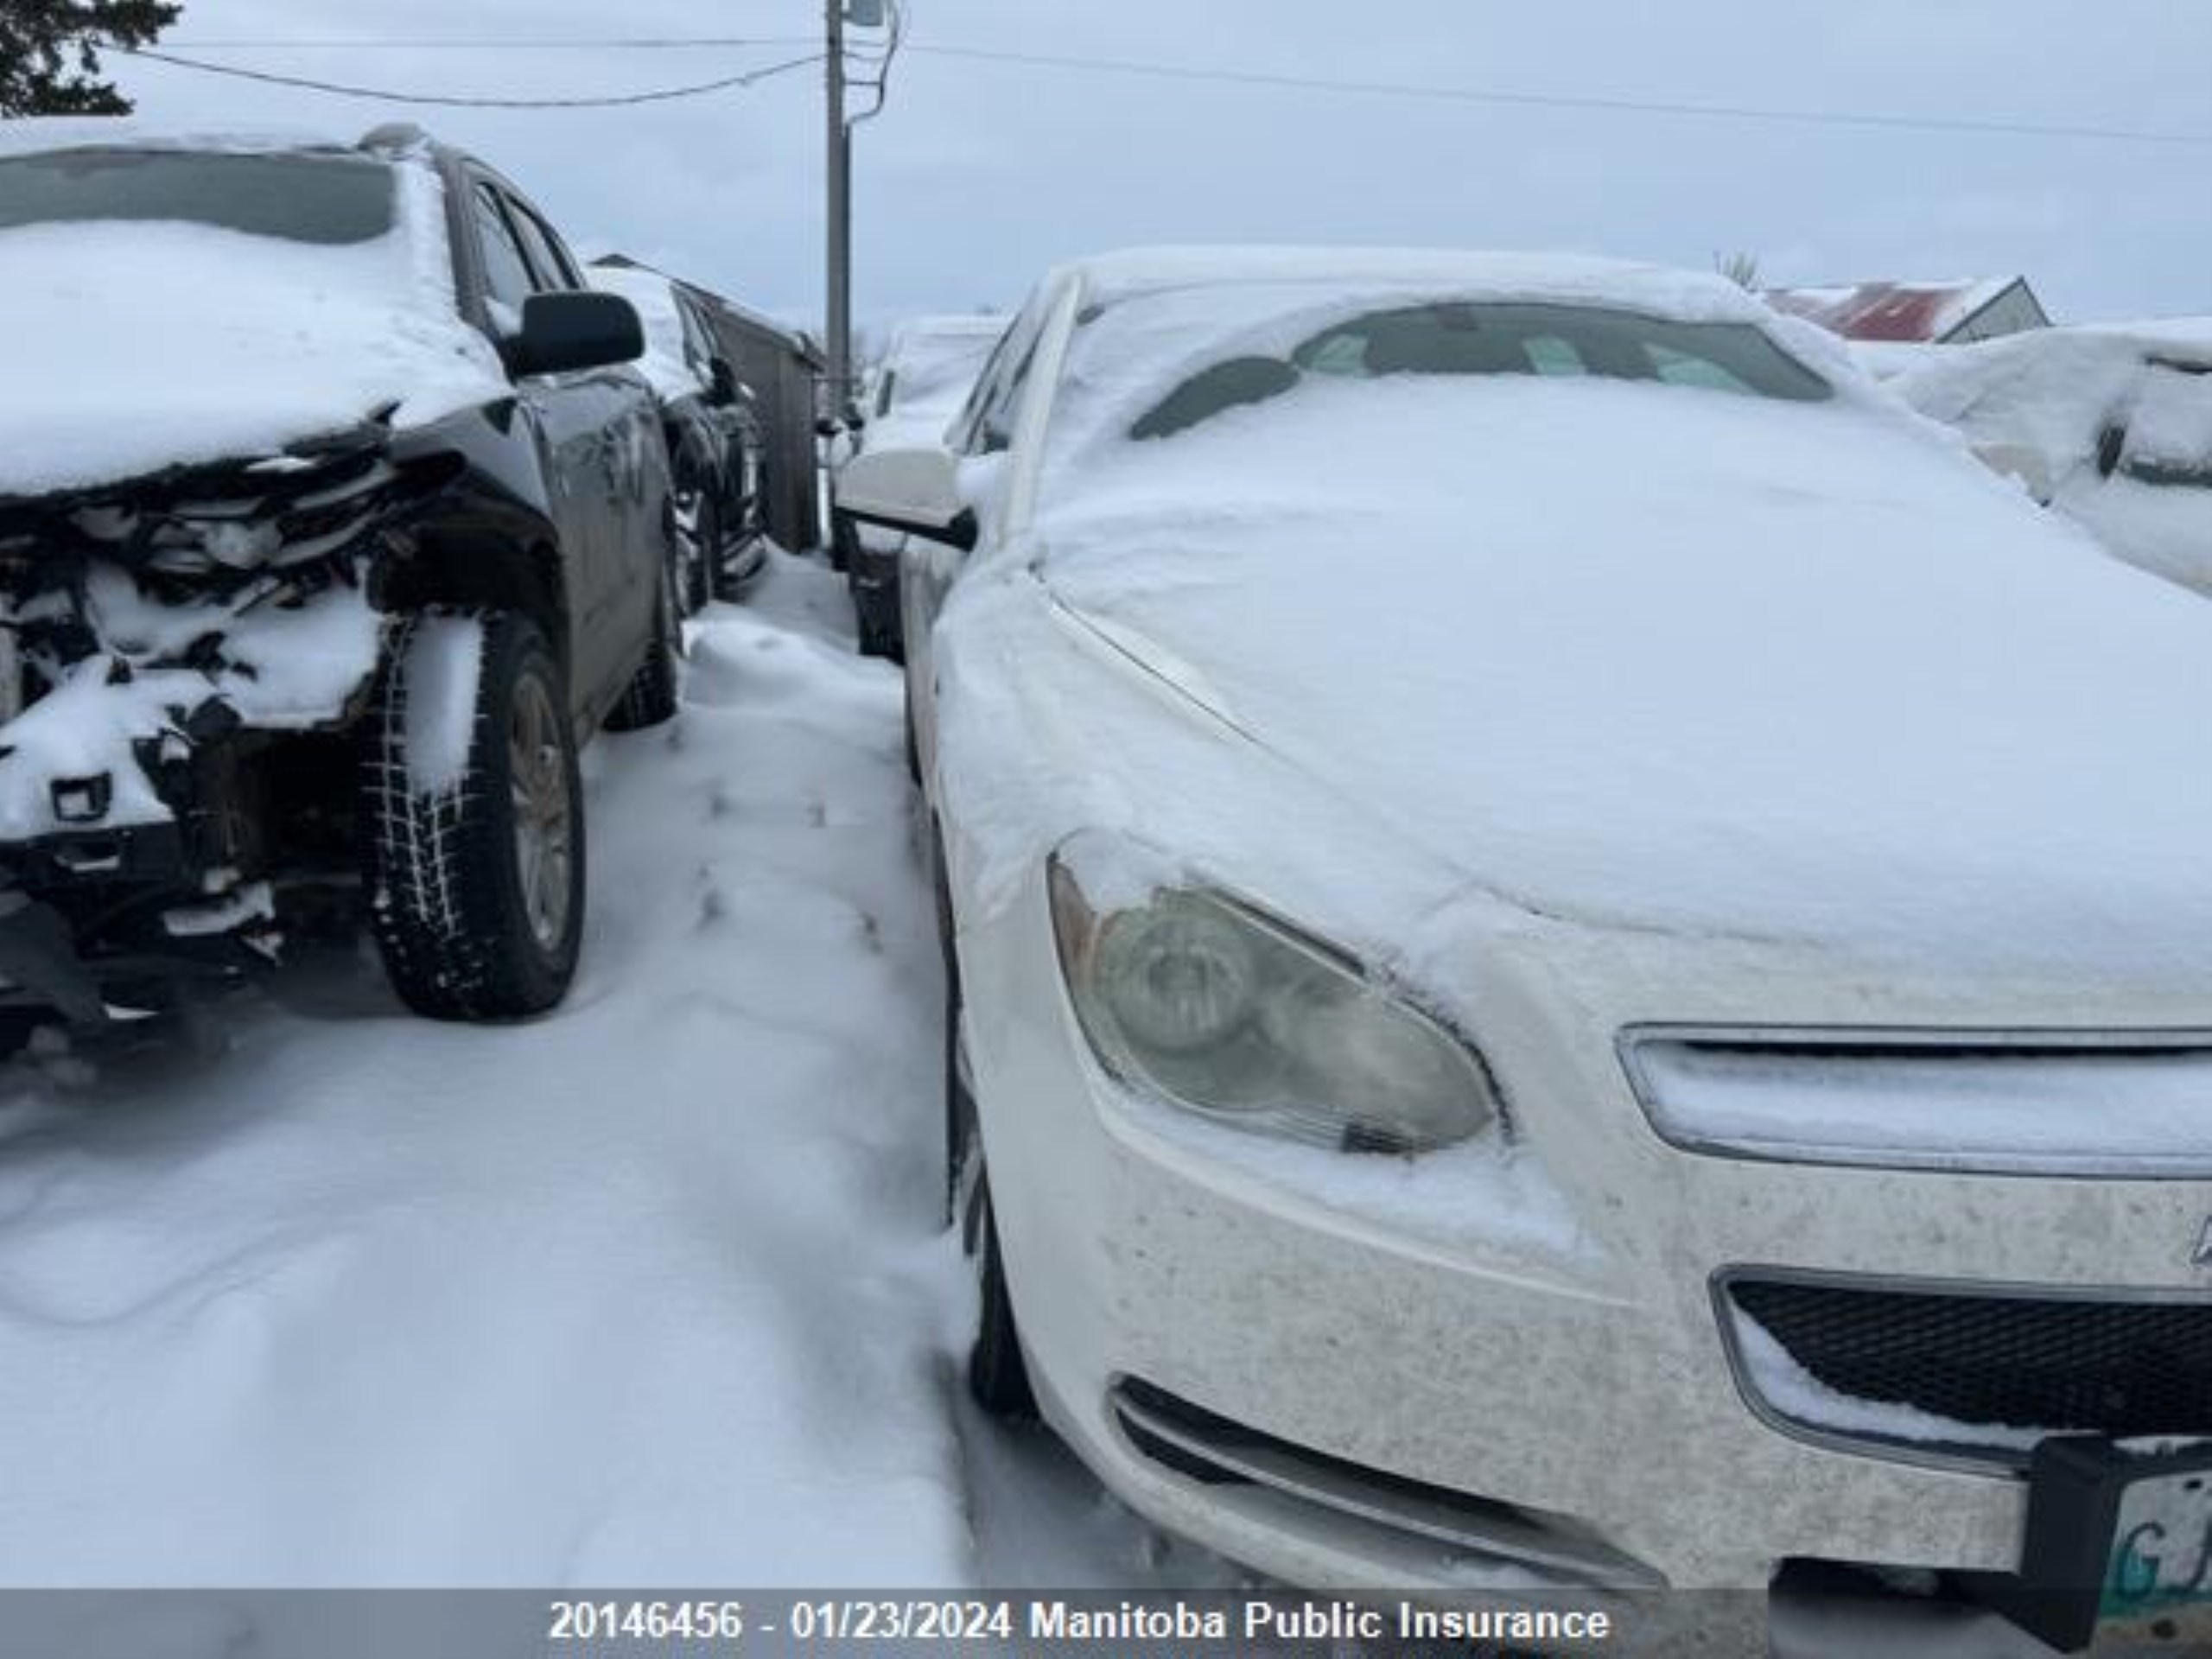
2161	1548
2117	1531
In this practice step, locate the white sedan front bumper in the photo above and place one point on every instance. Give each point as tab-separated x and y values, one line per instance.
1435	1406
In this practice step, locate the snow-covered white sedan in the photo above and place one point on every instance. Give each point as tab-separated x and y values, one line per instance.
1577	946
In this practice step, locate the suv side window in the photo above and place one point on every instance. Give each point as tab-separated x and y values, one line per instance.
507	278
555	270
698	348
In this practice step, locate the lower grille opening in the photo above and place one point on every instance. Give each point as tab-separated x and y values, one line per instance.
1966	1371
1215	1451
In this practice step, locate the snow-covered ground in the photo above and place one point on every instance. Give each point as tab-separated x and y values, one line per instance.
649	1292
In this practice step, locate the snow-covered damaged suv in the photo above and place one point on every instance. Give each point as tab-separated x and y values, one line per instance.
330	523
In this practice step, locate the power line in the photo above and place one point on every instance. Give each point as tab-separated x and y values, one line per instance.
1558	101
1680	109
659	95
868	55
462	43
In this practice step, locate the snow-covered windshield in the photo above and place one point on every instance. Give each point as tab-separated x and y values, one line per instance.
1554	341
328	200
933	371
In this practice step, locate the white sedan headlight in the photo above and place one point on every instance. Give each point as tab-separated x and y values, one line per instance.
1193	995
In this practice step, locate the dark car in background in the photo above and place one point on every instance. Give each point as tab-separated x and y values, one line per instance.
715	436
319	555
924	376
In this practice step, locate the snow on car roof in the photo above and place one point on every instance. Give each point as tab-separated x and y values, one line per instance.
1690	295
653	297
41	134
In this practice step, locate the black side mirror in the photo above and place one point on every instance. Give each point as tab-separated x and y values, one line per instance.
563	332
721	383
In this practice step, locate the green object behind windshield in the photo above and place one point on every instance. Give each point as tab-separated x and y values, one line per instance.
1552	342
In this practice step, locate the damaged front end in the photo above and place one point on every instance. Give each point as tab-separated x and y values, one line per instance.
181	659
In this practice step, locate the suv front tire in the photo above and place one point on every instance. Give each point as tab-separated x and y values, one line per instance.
473	841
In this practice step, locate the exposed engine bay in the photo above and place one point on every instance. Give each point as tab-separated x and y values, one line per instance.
180	658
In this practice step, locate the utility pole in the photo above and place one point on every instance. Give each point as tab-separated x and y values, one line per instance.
839	321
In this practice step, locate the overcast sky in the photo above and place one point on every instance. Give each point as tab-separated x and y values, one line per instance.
979	174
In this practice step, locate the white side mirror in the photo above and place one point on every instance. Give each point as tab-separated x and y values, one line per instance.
917	491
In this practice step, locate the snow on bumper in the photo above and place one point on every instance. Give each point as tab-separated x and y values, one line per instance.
145	618
1579	1374
155	636
98	749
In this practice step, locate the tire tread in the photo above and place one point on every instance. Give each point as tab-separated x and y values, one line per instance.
437	865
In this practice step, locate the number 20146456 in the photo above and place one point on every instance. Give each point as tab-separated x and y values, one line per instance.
646	1621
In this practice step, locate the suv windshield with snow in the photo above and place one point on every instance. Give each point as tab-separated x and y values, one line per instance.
329	199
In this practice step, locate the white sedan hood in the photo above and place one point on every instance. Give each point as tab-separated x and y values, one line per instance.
1658	657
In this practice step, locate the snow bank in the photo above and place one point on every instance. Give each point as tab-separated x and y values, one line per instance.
236	346
651	1292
